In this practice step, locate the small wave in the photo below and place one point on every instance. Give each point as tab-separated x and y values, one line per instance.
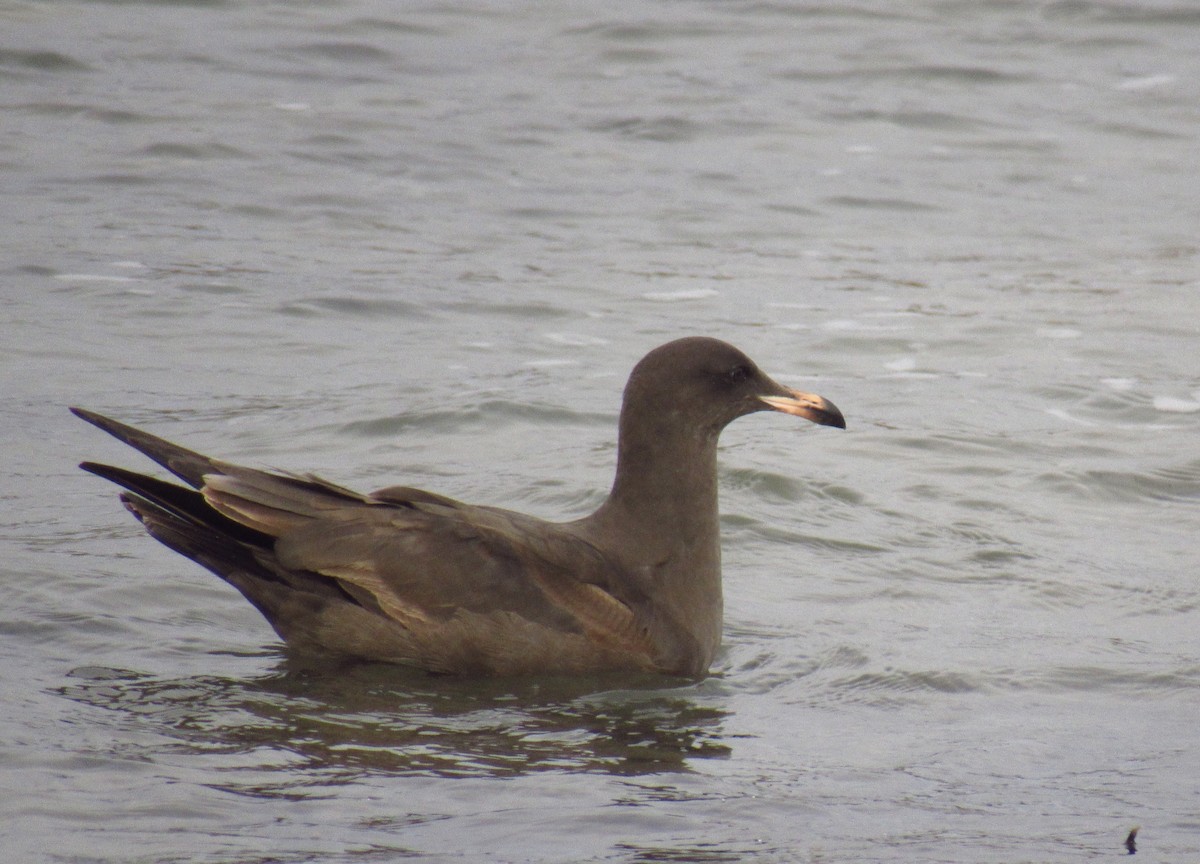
345	52
901	205
1139	131
784	487
1175	405
354	306
950	73
93	277
488	414
489	306
209	150
897	685
42	61
683	295
1110	679
666	129
1170	484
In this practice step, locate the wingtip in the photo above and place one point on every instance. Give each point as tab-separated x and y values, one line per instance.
88	416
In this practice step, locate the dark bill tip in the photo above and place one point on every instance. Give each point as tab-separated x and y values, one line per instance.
810	406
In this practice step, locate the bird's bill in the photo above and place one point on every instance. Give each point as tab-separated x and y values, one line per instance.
810	406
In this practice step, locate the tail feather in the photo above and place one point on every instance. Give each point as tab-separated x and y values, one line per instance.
273	591
232	561
308	610
181	502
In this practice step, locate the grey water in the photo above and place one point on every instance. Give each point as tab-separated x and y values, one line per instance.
424	243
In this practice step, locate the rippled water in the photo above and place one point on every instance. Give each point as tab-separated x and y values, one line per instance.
425	244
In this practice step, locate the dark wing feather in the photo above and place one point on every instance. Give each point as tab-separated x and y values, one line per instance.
185	464
422	558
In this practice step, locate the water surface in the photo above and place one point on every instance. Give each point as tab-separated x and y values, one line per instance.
425	244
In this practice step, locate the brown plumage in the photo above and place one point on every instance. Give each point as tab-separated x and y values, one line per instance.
407	576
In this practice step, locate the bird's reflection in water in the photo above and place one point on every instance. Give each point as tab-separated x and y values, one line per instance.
326	725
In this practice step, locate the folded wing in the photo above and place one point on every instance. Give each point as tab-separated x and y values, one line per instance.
402	575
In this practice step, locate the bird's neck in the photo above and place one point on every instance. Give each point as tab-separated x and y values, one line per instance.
666	483
663	506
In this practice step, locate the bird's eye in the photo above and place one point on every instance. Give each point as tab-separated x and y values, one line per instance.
738	374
